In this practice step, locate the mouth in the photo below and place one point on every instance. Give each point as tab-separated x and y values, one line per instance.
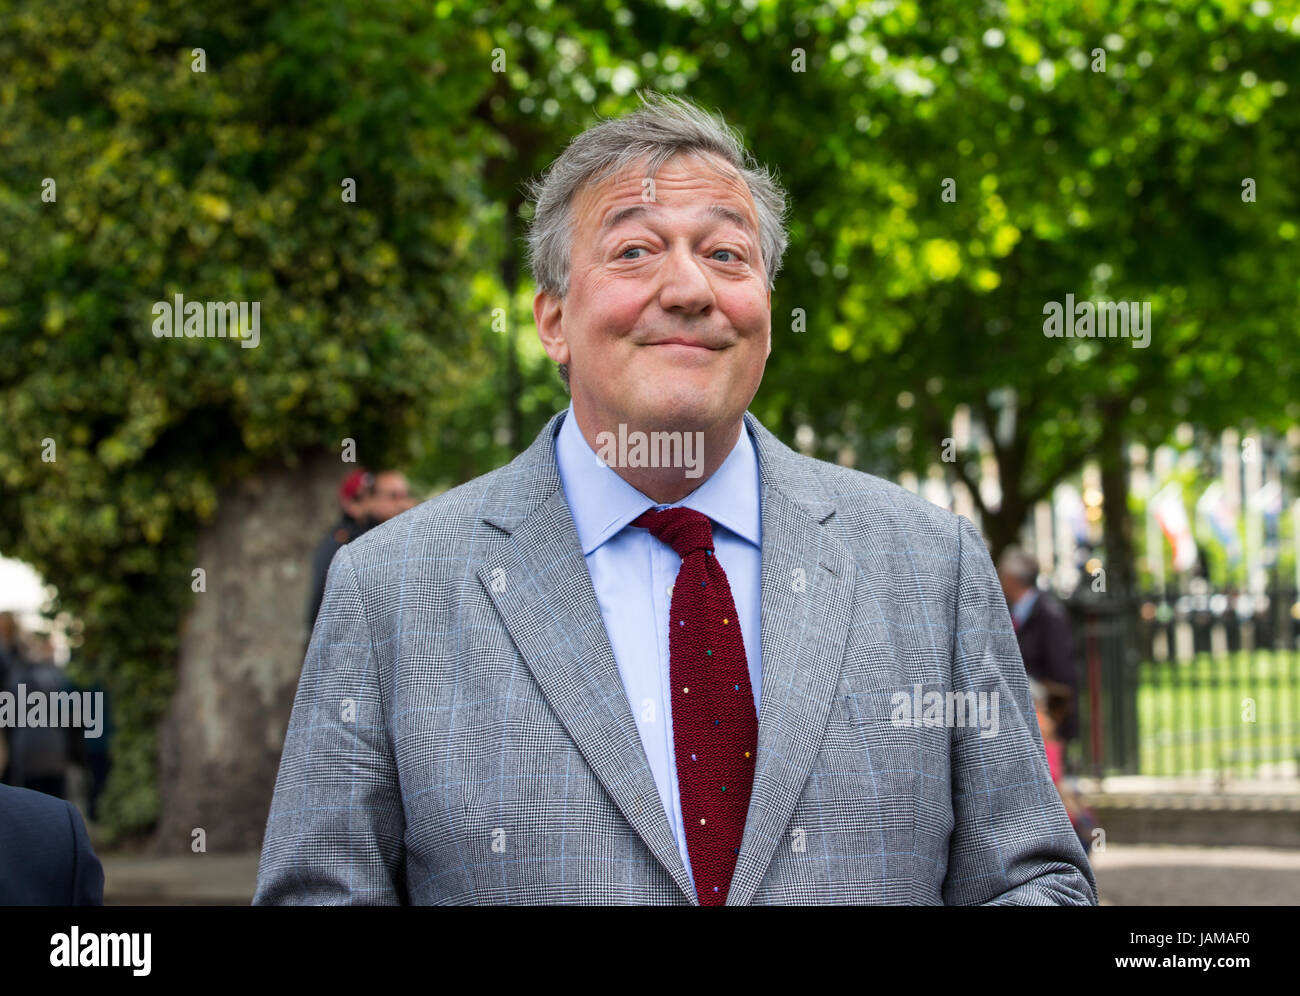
684	344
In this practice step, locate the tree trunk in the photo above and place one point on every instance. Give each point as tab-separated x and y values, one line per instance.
241	653
1003	526
1117	523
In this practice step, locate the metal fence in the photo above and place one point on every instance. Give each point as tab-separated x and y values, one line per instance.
1188	685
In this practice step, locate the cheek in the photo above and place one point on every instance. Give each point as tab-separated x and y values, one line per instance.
610	307
748	311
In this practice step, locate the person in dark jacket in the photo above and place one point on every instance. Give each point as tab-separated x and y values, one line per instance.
45	853
365	500
352	523
41	755
1043	630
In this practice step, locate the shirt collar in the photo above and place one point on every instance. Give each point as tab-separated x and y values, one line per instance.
602	503
1024	605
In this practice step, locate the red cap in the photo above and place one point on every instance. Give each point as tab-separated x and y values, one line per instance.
352	484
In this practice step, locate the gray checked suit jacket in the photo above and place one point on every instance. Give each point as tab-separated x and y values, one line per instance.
461	733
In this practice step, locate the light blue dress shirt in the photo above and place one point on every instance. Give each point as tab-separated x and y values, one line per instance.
632	573
1024	605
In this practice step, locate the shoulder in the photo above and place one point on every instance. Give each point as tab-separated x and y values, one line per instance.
867	508
36	828
34	812
46	837
452	524
865	498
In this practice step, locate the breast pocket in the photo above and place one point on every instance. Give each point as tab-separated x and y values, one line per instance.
881	728
871	756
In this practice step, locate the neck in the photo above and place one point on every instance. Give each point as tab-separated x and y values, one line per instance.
661	484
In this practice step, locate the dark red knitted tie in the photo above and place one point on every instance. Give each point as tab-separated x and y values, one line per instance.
715	731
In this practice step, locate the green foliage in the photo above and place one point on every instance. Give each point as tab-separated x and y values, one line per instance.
1124	184
219	185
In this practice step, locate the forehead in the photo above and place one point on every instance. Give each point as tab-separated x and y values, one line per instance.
690	181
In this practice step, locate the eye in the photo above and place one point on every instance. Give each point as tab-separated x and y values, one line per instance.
731	251
623	254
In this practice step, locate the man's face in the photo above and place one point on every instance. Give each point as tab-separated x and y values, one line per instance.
685	265
1012	589
391	496
353	508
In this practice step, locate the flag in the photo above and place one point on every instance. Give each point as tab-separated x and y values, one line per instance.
1215	513
1071	511
1171	516
1268	500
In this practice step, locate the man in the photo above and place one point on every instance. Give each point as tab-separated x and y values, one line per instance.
42	753
350	525
589	677
365	500
45	853
390	496
1043	633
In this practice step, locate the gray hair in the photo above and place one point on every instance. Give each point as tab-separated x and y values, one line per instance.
665	127
1018	564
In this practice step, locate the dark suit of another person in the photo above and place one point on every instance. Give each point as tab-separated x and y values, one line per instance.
344	532
45	853
1047	649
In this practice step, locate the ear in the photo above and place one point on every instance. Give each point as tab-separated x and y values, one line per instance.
548	311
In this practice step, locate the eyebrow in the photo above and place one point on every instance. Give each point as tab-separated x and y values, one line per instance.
720	211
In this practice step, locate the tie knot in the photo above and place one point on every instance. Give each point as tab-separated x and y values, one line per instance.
684	529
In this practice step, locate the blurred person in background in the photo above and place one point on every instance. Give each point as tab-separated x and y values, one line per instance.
1081	817
351	524
390	496
96	751
11	661
1043	630
365	500
40	755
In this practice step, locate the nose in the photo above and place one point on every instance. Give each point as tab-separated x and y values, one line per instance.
685	285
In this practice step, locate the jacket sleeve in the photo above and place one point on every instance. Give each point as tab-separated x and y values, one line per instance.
335	831
1011	844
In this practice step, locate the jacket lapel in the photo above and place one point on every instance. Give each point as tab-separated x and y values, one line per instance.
807	600
540	584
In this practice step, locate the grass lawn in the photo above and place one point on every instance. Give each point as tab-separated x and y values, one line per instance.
1192	715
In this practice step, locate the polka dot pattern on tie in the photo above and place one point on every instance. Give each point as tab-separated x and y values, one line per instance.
713	716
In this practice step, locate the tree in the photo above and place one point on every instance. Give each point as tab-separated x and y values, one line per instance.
225	184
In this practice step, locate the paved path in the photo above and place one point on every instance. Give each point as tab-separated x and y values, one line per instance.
1197	876
1126	876
180	880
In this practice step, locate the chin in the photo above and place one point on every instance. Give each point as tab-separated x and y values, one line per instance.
681	406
